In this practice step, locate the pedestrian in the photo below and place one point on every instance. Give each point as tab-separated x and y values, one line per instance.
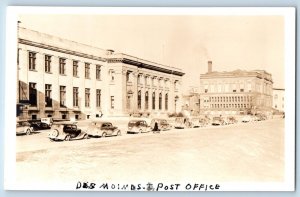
155	128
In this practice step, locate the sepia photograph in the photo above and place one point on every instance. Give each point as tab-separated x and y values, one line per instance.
150	99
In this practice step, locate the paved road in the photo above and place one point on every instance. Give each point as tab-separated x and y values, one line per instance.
241	152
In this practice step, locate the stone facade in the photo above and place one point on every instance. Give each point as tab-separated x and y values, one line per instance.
64	79
235	92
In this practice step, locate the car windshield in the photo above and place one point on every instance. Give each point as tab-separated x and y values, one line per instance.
216	118
133	123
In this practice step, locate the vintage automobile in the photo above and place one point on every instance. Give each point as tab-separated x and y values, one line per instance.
231	120
66	131
218	121
204	122
261	117
182	123
195	122
102	129
162	124
247	118
23	127
37	125
138	126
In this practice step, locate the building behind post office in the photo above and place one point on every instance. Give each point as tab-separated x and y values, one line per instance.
235	92
64	79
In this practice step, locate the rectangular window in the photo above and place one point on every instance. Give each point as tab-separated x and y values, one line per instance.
47	63
75	68
75	96
62	96
98	72
32	94
139	99
87	97
48	99
112	102
32	59
112	75
98	98
241	90
87	71
62	65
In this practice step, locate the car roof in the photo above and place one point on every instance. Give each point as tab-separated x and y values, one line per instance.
101	122
136	120
65	123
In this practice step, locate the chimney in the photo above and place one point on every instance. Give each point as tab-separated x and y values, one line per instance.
209	63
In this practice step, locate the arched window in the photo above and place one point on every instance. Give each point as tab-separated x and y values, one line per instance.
153	100
146	100
166	102
160	101
139	100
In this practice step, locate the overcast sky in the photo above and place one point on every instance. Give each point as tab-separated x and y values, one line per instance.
186	42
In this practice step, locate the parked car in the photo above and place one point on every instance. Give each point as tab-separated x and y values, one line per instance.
47	121
138	126
182	122
37	125
23	127
218	121
247	119
102	129
261	117
195	122
162	124
231	120
66	131
204	122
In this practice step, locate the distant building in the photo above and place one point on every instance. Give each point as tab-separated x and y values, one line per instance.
191	101
64	79
235	92
278	99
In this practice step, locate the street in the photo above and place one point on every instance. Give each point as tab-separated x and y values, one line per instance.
249	152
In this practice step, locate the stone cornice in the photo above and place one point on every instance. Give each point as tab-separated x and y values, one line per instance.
141	64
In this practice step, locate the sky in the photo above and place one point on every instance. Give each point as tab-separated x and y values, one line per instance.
186	42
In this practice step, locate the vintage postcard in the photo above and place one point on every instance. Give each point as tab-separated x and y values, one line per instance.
150	99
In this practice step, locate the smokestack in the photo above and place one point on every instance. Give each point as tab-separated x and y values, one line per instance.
209	66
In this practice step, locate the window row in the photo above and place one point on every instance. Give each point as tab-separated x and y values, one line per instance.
33	94
229	99
146	96
230	105
62	66
150	80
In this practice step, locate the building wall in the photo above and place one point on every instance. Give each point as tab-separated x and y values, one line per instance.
234	92
112	83
278	99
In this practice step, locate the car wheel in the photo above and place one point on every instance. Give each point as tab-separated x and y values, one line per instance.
67	138
28	131
104	134
55	133
119	133
141	130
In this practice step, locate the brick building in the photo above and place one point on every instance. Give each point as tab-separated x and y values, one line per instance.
235	92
